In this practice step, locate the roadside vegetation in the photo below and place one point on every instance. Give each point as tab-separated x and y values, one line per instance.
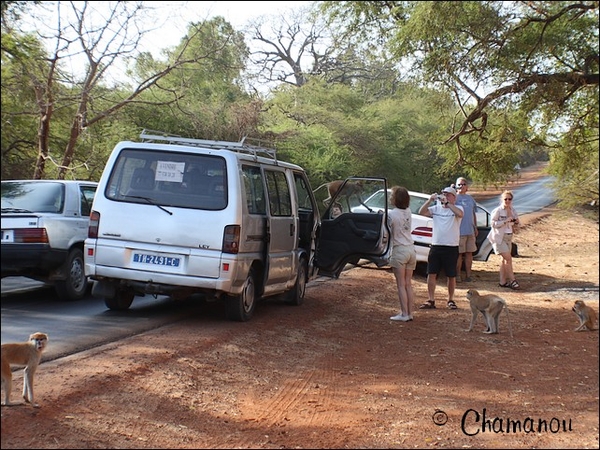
418	92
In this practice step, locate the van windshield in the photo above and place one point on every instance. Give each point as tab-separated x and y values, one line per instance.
174	179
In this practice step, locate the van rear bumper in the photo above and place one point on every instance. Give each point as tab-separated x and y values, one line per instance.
167	284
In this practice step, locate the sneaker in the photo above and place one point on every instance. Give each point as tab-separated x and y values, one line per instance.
401	318
468	279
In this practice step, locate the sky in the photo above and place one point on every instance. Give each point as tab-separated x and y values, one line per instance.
176	15
167	21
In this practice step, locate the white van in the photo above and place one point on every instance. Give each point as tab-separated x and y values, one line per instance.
177	216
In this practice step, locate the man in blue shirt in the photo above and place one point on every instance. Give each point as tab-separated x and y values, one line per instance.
468	229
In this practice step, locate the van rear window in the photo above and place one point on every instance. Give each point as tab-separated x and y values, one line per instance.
169	179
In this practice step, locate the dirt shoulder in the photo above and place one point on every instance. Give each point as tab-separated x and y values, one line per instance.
337	373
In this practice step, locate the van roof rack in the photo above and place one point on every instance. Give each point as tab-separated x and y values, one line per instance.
240	147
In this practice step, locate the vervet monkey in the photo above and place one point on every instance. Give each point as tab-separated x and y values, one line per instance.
490	306
351	188
587	316
27	354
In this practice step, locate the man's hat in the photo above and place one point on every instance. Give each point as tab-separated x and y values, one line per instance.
449	190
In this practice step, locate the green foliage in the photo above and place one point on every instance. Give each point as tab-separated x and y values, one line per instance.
524	75
575	165
210	96
435	112
334	133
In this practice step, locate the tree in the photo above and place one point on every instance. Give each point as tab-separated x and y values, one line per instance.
334	131
289	48
501	60
292	48
211	102
104	44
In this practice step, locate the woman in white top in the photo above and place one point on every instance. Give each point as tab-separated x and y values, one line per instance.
403	259
504	218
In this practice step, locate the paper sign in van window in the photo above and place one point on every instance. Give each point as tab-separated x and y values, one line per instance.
170	171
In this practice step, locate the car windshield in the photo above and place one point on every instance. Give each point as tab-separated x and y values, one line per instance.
377	201
32	196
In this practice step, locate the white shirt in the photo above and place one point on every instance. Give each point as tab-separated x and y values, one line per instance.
401	224
446	226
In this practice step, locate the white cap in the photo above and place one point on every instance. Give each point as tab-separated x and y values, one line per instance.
449	190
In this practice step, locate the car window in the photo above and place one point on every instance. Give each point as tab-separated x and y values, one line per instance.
377	200
33	197
280	200
483	217
255	190
87	198
416	202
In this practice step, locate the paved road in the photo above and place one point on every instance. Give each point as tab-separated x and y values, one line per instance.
80	325
528	198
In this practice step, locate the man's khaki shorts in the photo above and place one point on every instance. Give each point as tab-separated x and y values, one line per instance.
467	244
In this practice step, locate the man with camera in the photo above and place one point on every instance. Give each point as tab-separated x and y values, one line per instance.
443	253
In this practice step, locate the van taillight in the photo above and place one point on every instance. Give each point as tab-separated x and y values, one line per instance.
31	236
231	239
423	231
93	224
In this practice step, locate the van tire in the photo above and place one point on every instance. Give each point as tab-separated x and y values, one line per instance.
240	307
75	286
296	295
121	301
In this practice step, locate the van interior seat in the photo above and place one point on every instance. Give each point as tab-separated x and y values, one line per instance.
197	182
143	178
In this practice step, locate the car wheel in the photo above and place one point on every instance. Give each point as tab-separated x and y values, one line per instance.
296	295
74	287
121	301
241	307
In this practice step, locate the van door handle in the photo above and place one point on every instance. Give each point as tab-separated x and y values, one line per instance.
291	229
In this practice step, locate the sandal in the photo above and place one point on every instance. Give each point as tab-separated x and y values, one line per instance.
514	285
452	305
505	285
429	304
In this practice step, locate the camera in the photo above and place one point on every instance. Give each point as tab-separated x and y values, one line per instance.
442	199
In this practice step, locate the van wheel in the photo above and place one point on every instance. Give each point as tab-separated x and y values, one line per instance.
241	307
296	295
121	301
74	287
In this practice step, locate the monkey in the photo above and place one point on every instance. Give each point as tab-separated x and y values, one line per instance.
350	189
587	316
490	306
28	354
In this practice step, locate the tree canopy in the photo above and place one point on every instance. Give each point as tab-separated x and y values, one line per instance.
419	92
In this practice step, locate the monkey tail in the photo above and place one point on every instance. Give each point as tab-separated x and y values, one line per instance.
508	317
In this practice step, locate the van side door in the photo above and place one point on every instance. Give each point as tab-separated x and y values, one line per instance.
282	228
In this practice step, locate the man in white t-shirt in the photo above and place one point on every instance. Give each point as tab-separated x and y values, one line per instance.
443	253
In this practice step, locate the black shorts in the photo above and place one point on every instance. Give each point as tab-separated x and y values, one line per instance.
442	257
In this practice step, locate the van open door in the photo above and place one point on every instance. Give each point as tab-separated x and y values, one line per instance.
352	230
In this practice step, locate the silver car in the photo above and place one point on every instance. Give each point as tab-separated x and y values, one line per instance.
44	225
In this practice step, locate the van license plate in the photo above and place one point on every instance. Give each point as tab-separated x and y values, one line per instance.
156	260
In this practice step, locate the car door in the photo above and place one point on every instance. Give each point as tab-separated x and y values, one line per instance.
359	232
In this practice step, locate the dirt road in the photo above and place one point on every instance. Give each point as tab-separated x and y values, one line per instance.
337	373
